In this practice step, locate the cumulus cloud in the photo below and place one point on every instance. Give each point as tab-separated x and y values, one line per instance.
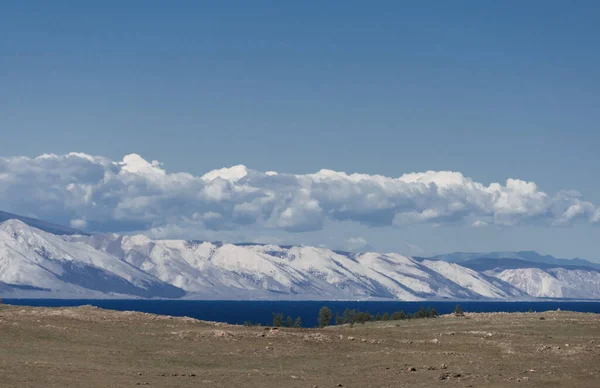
358	244
135	194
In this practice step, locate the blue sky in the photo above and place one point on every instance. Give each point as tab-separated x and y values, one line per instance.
493	90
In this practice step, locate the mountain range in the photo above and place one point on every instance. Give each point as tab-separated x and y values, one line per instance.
39	259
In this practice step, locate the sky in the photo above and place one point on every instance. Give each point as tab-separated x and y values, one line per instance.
503	94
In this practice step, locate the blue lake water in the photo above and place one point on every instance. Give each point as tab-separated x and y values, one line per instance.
238	312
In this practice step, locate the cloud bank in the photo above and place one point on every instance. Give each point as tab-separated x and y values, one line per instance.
99	194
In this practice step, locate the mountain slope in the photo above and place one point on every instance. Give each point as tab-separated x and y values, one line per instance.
30	257
42	225
224	270
545	278
554	283
34	262
138	266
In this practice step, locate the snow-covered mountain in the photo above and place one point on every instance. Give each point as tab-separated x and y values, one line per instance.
37	263
34	261
554	282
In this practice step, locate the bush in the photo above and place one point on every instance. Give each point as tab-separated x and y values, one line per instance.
325	316
385	317
378	317
339	320
298	323
398	315
289	322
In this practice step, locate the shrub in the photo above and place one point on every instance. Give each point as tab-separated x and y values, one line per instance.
339	320
289	322
298	323
458	311
385	317
378	317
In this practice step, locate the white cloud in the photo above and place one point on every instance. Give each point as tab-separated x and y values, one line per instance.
357	244
79	223
357	241
134	194
479	223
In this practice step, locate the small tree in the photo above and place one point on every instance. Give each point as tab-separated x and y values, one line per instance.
339	320
289	322
368	317
325	316
433	313
458	311
360	317
378	317
298	323
349	316
385	317
277	319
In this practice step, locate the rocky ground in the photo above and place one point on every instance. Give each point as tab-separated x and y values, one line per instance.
90	347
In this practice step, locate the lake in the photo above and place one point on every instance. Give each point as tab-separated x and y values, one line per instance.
238	312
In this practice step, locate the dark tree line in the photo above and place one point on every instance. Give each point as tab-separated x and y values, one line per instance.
356	316
353	316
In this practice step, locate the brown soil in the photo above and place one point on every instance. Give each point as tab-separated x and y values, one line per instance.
90	347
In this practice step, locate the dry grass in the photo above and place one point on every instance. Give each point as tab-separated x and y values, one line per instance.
89	347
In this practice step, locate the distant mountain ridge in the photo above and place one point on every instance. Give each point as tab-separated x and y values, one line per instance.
42	225
528	256
39	259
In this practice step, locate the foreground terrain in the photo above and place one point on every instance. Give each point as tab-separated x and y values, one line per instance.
86	346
